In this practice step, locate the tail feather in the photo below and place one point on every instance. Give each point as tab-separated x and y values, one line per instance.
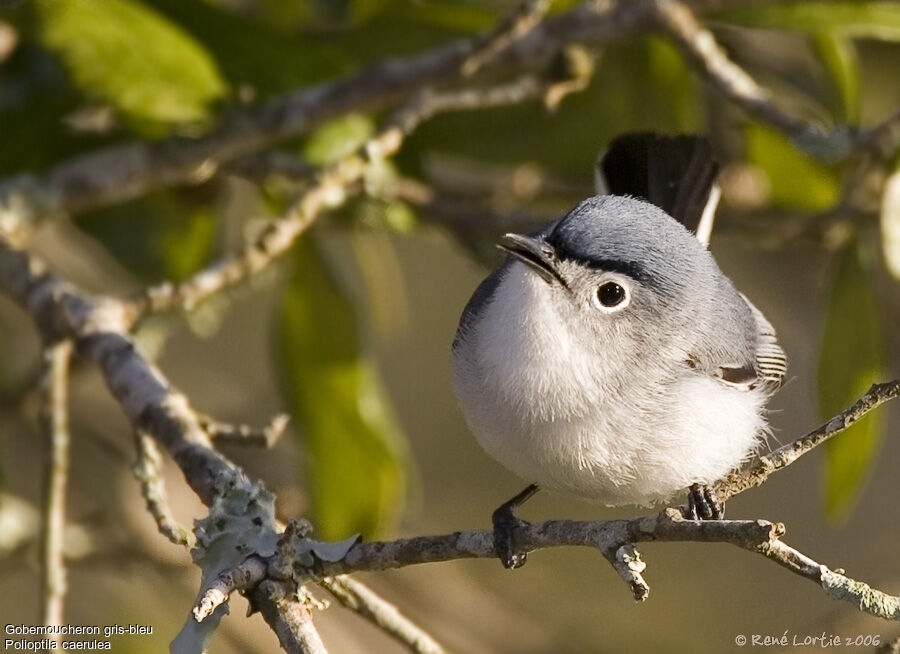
676	173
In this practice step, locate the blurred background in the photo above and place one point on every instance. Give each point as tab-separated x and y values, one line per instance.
350	333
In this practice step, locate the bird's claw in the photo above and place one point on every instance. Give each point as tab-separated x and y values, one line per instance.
505	525
703	504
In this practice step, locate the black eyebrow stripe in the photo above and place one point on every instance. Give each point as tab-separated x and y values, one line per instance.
631	269
628	268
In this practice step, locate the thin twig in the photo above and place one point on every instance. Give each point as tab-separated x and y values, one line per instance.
358	597
275	163
249	573
758	471
56	427
147	470
291	620
223	432
519	23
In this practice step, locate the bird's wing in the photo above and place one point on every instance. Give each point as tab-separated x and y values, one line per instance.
771	361
762	367
675	173
739	347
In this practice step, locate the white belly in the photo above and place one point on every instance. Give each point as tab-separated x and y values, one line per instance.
621	453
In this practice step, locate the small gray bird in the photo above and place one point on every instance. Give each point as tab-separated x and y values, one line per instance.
609	358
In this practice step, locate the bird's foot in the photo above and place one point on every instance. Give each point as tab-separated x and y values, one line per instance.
703	504
506	523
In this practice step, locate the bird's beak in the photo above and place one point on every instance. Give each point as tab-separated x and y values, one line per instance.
534	253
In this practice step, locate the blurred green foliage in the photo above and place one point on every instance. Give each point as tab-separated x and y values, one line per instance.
338	138
109	45
852	359
841	62
874	20
176	66
165	234
356	458
796	180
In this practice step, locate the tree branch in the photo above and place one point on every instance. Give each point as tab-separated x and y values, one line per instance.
147	470
524	19
358	597
758	471
222	432
291	619
699	46
610	537
56	428
332	186
98	327
247	575
122	172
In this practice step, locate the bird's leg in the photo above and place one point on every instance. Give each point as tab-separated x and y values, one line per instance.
703	504
505	524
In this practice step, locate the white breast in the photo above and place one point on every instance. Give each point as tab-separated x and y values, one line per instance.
576	425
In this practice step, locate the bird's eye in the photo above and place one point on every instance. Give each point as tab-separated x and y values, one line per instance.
611	295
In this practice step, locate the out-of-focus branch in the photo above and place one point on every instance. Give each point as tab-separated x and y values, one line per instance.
148	471
524	19
758	471
99	329
222	432
274	163
331	188
122	172
699	46
358	597
55	420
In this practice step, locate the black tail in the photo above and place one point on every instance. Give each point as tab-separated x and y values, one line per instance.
676	173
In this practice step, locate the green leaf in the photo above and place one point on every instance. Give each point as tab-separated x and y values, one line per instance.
159	236
355	450
839	57
338	138
121	51
796	181
851	360
872	20
890	223
254	56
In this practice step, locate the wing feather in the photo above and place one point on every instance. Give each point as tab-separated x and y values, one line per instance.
771	361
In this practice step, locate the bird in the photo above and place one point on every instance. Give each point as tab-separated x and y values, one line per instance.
608	357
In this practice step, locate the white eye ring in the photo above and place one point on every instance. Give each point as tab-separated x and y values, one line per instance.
611	296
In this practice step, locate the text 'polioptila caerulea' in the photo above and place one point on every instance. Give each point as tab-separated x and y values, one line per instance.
609	357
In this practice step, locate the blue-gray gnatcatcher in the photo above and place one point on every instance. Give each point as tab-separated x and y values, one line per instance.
609	357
